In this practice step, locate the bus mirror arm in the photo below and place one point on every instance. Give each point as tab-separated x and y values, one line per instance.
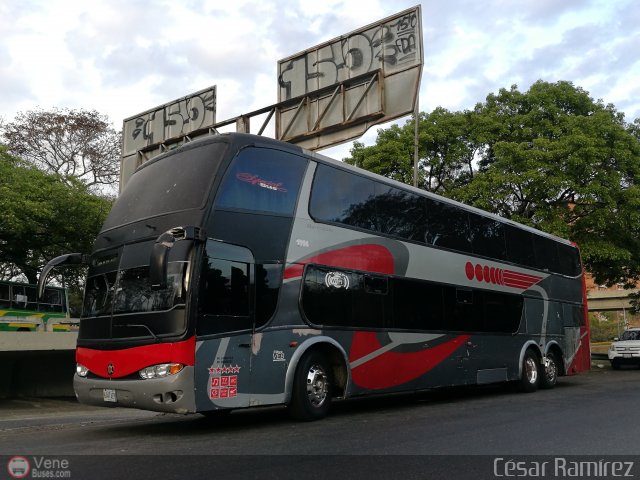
160	251
68	259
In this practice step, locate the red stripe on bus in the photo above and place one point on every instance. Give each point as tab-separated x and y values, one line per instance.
129	360
391	369
368	258
520	280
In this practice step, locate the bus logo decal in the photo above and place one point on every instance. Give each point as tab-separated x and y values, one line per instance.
336	280
256	180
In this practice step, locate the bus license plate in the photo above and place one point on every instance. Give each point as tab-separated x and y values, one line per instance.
109	395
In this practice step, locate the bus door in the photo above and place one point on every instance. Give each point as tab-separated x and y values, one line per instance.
225	327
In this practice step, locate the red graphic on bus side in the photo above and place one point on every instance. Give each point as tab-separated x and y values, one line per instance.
391	369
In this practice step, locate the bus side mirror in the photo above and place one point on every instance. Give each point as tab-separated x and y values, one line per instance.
68	259
158	260
160	251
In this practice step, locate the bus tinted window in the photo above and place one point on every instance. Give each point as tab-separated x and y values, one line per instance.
262	179
519	246
546	253
447	226
175	182
568	260
418	305
341	298
342	197
401	214
225	297
487	237
268	279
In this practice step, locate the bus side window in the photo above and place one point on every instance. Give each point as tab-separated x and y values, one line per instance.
401	214
343	197
226	296
519	246
24	298
546	253
447	226
487	237
569	260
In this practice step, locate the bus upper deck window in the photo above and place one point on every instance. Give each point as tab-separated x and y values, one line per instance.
262	179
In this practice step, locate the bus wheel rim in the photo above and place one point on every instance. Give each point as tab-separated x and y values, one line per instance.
531	370
317	386
551	370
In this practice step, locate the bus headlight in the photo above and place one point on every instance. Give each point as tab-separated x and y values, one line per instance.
81	370
160	371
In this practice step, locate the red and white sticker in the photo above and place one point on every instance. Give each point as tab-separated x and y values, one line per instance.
223	386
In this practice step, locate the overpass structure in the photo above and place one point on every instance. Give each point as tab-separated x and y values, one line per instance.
609	300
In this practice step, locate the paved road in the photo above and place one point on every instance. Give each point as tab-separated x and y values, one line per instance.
594	414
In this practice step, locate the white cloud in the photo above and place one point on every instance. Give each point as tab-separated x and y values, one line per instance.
121	57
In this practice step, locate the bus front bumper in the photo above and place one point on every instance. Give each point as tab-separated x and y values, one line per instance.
174	394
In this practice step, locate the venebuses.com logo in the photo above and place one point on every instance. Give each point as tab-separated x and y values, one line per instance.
38	467
18	467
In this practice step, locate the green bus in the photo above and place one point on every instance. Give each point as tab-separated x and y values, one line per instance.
20	310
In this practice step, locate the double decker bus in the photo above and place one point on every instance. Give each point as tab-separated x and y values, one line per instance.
239	271
22	311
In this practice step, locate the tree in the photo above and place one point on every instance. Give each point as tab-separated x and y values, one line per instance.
551	157
43	217
447	148
74	144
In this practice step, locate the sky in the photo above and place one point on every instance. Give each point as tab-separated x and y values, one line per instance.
122	57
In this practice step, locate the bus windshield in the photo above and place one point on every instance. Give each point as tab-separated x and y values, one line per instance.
133	293
151	192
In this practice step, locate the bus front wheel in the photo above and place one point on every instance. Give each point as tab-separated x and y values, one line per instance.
530	379
312	388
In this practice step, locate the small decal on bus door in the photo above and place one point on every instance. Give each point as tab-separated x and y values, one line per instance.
223	385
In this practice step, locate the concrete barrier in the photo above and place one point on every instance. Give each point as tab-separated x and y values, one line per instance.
37	341
37	364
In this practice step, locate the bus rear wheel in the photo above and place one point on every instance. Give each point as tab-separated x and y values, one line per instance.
550	375
312	388
530	379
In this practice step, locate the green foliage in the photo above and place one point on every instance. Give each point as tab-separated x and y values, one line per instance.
602	328
42	217
551	157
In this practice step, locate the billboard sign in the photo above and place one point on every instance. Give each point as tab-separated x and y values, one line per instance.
335	91
167	123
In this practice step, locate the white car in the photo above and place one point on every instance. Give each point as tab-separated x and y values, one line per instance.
626	349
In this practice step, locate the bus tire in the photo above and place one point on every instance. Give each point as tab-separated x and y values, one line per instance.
312	388
530	379
549	377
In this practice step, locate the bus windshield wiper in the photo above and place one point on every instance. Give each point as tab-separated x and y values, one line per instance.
139	325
